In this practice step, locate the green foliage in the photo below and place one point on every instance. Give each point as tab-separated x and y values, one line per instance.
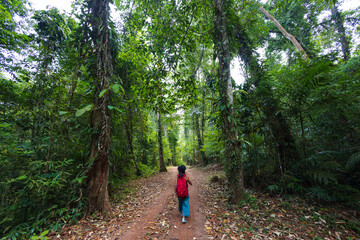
353	162
12	33
290	184
164	61
214	144
319	98
298	19
323	167
42	236
87	108
250	200
43	195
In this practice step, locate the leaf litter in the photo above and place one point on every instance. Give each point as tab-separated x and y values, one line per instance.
261	216
265	216
125	212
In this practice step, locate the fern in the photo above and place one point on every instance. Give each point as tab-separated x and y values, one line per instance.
321	176
273	188
352	148
295	185
320	193
322	167
314	75
353	162
347	194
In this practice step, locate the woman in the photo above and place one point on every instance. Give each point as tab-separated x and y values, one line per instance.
182	192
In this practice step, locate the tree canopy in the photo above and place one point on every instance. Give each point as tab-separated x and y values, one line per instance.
89	100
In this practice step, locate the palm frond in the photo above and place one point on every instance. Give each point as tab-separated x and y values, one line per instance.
353	162
314	75
320	193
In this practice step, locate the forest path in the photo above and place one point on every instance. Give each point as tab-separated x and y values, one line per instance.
161	218
148	209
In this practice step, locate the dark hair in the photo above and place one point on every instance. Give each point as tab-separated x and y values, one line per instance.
181	170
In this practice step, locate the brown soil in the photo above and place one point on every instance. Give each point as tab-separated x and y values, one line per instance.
151	212
161	218
147	209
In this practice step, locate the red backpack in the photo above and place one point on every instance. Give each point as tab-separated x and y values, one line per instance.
182	187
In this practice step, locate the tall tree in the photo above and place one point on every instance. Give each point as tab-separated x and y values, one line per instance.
98	174
339	25
128	124
161	147
228	121
199	138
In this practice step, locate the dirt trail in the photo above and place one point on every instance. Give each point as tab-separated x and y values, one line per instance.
150	212
160	219
147	209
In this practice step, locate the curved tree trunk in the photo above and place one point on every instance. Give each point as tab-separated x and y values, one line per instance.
229	128
285	33
97	181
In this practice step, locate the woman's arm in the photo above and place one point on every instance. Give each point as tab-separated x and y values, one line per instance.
188	179
175	186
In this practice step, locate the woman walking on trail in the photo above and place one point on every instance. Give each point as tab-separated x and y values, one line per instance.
182	192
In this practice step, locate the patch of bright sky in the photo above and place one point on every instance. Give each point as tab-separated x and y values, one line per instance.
61	5
236	70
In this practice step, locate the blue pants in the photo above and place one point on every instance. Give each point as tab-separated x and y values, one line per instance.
184	206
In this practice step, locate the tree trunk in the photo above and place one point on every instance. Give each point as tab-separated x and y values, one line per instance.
161	152
229	128
193	140
199	139
203	113
339	24
302	133
53	122
286	34
285	143
129	132
97	181
186	135
205	160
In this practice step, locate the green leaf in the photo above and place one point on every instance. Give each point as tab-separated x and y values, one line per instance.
112	107
122	89
44	233
353	162
103	92
248	143
83	110
6	15
117	3
62	112
22	177
115	88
